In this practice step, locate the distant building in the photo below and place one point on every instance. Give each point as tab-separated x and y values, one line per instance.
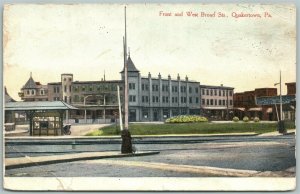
157	98
291	88
150	98
33	91
245	104
96	100
217	102
7	97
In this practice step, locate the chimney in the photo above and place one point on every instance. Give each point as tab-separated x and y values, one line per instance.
159	76
178	77
149	75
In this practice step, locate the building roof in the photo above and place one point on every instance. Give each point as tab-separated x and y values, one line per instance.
216	87
30	84
8	98
38	105
131	66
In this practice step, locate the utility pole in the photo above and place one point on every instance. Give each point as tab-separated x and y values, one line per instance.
126	137
281	127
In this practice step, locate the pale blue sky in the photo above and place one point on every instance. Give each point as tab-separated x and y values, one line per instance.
85	40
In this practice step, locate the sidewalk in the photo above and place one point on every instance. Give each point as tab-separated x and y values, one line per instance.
276	133
26	161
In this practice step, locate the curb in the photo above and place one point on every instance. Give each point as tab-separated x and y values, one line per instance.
133	136
12	163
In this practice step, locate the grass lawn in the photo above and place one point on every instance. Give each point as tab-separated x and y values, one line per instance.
192	128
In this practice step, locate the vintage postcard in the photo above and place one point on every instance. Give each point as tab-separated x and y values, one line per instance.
149	97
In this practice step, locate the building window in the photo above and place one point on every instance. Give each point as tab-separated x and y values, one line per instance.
191	100
203	92
147	98
190	89
147	87
211	102
145	113
173	100
197	100
32	92
167	99
211	92
207	101
70	89
196	90
143	87
66	98
132	98
215	92
163	99
91	88
223	102
42	92
176	99
157	99
223	92
216	102
28	92
76	98
131	86
153	99
143	98
230	93
220	103
230	102
207	92
70	79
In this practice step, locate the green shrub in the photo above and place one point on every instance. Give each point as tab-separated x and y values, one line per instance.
245	119
235	119
186	119
256	119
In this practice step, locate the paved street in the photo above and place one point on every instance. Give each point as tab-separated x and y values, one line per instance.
274	153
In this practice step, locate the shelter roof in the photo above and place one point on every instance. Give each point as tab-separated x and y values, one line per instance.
38	105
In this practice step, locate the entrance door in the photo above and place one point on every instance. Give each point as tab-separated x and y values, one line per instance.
132	115
155	116
270	116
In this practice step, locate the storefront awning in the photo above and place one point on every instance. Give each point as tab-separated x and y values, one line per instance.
240	109
269	110
255	109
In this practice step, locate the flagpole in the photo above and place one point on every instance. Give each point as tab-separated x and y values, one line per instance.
126	137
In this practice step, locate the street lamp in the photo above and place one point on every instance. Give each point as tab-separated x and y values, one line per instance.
281	127
85	107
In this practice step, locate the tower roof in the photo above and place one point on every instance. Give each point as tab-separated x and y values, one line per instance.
30	84
131	66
